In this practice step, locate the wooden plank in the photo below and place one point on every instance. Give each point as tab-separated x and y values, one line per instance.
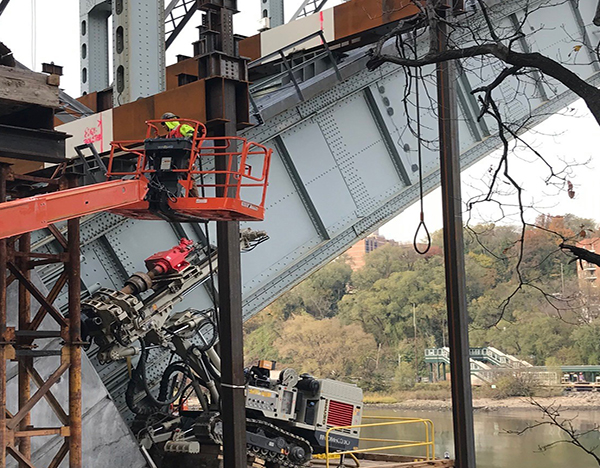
21	86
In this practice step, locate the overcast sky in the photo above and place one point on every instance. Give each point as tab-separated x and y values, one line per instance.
48	30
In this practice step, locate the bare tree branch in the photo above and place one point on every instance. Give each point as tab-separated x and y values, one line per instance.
552	417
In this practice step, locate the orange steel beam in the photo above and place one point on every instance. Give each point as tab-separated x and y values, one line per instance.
33	213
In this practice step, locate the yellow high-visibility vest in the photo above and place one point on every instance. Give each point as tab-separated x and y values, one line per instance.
186	130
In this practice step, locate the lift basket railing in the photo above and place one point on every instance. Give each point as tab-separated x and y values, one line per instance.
182	174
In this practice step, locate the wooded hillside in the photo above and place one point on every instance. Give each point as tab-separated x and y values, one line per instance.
359	324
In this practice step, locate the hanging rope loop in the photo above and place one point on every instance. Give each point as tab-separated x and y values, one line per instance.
422	224
416	239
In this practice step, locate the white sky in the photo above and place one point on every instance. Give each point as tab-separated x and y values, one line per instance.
573	138
52	34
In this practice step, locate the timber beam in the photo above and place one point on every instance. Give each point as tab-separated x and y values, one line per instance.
25	87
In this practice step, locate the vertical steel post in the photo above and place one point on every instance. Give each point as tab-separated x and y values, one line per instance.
24	362
458	318
3	337
233	401
74	281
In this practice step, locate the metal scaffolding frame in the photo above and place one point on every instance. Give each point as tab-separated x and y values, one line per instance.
27	342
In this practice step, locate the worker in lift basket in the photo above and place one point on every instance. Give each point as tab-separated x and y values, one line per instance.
176	129
179	130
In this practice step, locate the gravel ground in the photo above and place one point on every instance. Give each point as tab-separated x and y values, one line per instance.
570	401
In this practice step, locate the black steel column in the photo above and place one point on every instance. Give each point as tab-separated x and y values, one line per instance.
458	318
233	401
221	101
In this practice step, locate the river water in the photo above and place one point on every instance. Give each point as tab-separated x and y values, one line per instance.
495	446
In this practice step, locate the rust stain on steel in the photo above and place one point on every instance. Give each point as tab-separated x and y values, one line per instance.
90	100
185	101
16	430
75	458
250	47
128	119
355	17
24	245
14	421
74	344
188	66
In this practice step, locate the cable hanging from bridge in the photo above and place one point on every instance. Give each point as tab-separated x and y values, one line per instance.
418	75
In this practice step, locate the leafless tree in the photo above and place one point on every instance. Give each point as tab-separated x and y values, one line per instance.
551	416
487	42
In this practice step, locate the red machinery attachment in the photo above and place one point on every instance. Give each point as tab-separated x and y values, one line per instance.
173	260
183	183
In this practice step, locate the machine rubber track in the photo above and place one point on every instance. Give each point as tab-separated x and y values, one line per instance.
276	432
209	430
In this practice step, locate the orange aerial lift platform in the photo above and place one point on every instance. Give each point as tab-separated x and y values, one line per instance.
173	179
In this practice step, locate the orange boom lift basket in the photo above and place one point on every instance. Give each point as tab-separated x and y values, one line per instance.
183	182
174	179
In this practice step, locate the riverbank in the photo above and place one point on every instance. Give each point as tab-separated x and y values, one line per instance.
570	402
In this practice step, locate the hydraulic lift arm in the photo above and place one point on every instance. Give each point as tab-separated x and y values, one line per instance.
158	178
30	214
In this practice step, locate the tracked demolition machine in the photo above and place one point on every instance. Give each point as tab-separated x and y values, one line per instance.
287	414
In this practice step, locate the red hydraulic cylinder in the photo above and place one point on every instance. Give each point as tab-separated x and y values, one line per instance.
33	213
171	260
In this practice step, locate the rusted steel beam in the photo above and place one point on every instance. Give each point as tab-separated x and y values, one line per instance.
58	235
61	257
24	320
359	16
50	398
51	297
37	294
35	263
37	396
74	343
43	431
60	455
4	168
22	459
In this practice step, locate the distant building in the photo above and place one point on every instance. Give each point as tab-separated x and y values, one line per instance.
588	272
358	251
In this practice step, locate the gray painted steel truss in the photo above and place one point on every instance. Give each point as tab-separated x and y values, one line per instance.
344	163
138	34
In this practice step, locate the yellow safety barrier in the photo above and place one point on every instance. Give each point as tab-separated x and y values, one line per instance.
428	443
